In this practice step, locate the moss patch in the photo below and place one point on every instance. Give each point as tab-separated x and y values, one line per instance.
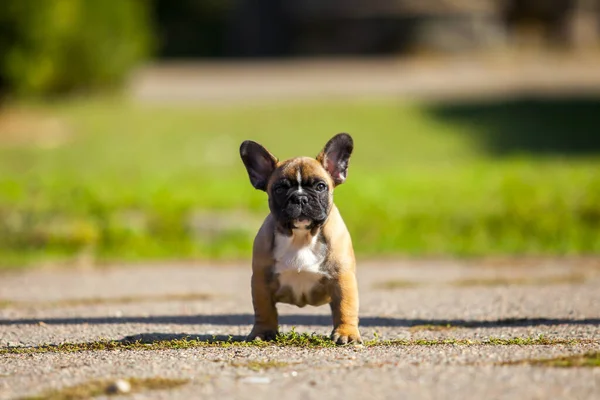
256	365
431	327
397	284
101	388
494	281
291	339
94	301
581	360
524	281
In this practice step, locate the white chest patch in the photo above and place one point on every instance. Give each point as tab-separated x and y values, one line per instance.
297	261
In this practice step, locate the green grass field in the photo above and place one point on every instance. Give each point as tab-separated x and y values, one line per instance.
118	181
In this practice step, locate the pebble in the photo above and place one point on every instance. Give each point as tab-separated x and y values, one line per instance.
119	386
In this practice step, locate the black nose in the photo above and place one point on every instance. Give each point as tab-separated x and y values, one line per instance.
300	199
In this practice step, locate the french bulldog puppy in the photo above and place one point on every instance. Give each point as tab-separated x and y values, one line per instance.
302	253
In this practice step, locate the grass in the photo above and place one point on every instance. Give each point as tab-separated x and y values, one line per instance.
291	339
106	180
94	301
580	360
97	388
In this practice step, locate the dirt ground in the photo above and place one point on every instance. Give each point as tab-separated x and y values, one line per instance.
434	300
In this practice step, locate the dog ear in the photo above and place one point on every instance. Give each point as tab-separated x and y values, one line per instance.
259	163
335	157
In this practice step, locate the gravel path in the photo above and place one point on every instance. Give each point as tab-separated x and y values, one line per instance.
399	300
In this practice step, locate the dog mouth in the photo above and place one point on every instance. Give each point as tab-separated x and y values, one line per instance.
295	216
302	223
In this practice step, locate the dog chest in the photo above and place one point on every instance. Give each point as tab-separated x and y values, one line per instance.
298	259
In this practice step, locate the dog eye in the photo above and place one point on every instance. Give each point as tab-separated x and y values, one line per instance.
280	189
320	187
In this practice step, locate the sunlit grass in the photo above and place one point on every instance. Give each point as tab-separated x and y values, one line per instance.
127	182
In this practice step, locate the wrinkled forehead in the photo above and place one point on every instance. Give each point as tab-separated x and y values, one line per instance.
304	168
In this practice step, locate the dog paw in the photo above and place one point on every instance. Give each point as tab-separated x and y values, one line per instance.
345	334
260	333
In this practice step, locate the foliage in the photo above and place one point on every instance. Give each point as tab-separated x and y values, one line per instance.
57	46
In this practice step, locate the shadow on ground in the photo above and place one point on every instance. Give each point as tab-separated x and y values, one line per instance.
298	320
537	125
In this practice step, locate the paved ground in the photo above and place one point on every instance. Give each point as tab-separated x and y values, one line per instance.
480	300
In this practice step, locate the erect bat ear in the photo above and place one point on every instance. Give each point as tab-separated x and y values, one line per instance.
259	163
335	157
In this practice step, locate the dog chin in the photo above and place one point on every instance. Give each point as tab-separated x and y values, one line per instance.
301	223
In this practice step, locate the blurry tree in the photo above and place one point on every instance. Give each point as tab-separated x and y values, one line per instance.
58	46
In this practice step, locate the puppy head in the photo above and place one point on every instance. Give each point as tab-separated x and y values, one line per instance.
300	189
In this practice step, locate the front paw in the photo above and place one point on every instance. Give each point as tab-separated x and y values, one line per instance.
262	333
345	334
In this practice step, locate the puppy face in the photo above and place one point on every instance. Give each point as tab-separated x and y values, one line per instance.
300	193
300	189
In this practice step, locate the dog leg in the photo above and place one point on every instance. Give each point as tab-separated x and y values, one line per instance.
344	309
265	313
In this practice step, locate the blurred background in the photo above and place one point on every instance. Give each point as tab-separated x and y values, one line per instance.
476	124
